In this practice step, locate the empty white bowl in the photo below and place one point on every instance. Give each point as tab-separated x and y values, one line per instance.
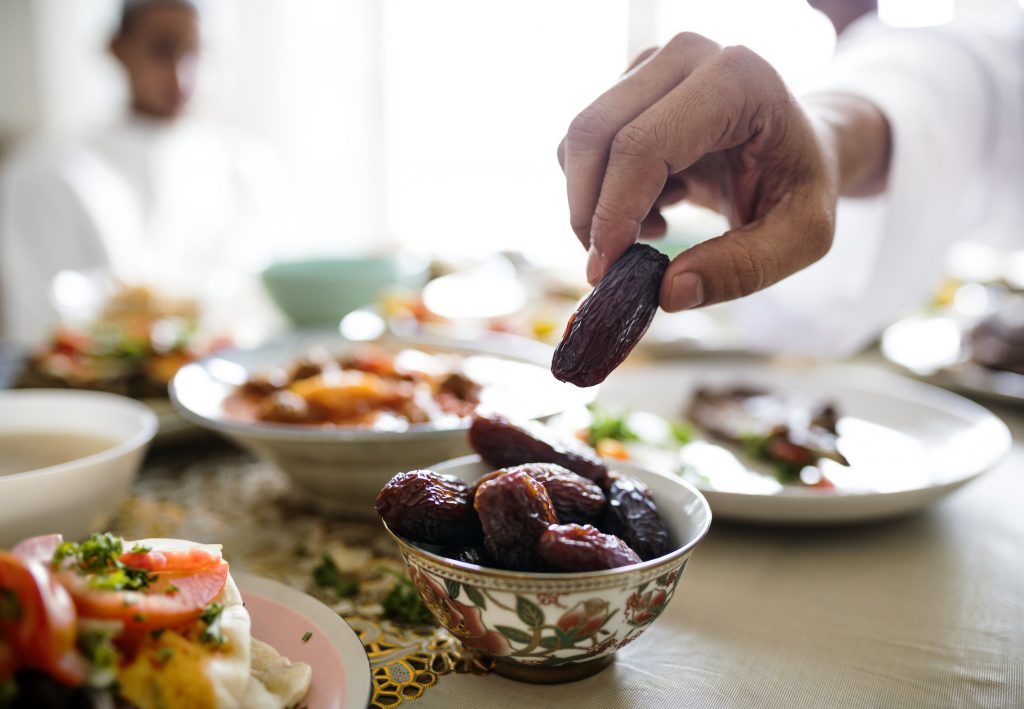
79	496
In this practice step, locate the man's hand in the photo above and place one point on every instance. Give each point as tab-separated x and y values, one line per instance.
718	127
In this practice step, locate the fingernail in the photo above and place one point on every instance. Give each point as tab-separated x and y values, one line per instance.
685	292
593	265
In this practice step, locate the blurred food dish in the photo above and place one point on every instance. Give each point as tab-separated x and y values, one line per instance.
868	445
343	466
368	388
973	343
321	291
70	459
133	347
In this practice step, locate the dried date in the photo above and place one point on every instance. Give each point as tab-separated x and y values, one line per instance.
632	516
429	508
611	320
575	498
503	443
572	547
514	510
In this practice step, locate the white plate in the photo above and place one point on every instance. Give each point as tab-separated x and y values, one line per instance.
908	443
281	616
930	347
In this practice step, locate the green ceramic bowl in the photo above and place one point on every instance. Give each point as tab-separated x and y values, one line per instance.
321	291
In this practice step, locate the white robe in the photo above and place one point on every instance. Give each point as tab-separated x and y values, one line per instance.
172	204
954	98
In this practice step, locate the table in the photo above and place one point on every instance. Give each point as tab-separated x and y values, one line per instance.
926	611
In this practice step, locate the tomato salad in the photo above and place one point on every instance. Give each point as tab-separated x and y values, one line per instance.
72	611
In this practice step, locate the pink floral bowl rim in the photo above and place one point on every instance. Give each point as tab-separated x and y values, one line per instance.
653	566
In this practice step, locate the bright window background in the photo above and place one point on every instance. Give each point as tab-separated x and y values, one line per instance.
432	124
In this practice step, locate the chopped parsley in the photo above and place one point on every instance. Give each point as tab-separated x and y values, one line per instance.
212	635
140	549
172	589
97	645
328	575
403	602
164	654
10	606
99	555
306	636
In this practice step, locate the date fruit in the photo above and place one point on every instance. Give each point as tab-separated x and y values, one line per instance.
504	443
632	516
611	320
572	547
430	508
575	498
514	511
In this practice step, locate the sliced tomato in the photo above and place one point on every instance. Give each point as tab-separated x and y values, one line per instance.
38	548
176	599
170	555
40	621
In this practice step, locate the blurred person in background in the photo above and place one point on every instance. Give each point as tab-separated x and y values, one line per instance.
160	197
914	139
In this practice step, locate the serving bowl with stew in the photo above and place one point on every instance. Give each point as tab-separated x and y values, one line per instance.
343	431
558	627
67	459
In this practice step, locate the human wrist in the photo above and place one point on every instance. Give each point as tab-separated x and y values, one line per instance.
855	135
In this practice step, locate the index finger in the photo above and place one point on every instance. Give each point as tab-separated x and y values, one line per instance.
585	148
708	112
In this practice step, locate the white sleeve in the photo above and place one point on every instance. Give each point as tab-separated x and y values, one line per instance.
44	228
954	100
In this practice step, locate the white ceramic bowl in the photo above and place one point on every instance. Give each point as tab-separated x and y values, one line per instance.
558	627
77	497
343	469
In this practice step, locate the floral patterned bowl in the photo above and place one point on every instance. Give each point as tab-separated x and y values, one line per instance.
558	627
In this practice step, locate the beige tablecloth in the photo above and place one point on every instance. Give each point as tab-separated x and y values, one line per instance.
921	612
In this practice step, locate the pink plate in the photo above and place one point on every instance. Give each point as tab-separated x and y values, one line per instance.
281	616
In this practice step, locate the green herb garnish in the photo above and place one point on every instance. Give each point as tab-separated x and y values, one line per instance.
328	575
403	602
212	635
140	549
682	431
99	555
97	645
306	636
605	424
10	606
164	654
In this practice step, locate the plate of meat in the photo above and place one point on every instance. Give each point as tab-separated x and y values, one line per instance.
796	445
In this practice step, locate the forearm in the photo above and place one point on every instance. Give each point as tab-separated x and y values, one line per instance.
856	134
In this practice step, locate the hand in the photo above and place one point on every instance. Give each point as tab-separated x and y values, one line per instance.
716	126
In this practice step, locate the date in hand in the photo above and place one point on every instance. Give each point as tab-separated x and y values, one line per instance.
612	319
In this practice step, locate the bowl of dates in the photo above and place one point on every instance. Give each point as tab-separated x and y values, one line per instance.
547	571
